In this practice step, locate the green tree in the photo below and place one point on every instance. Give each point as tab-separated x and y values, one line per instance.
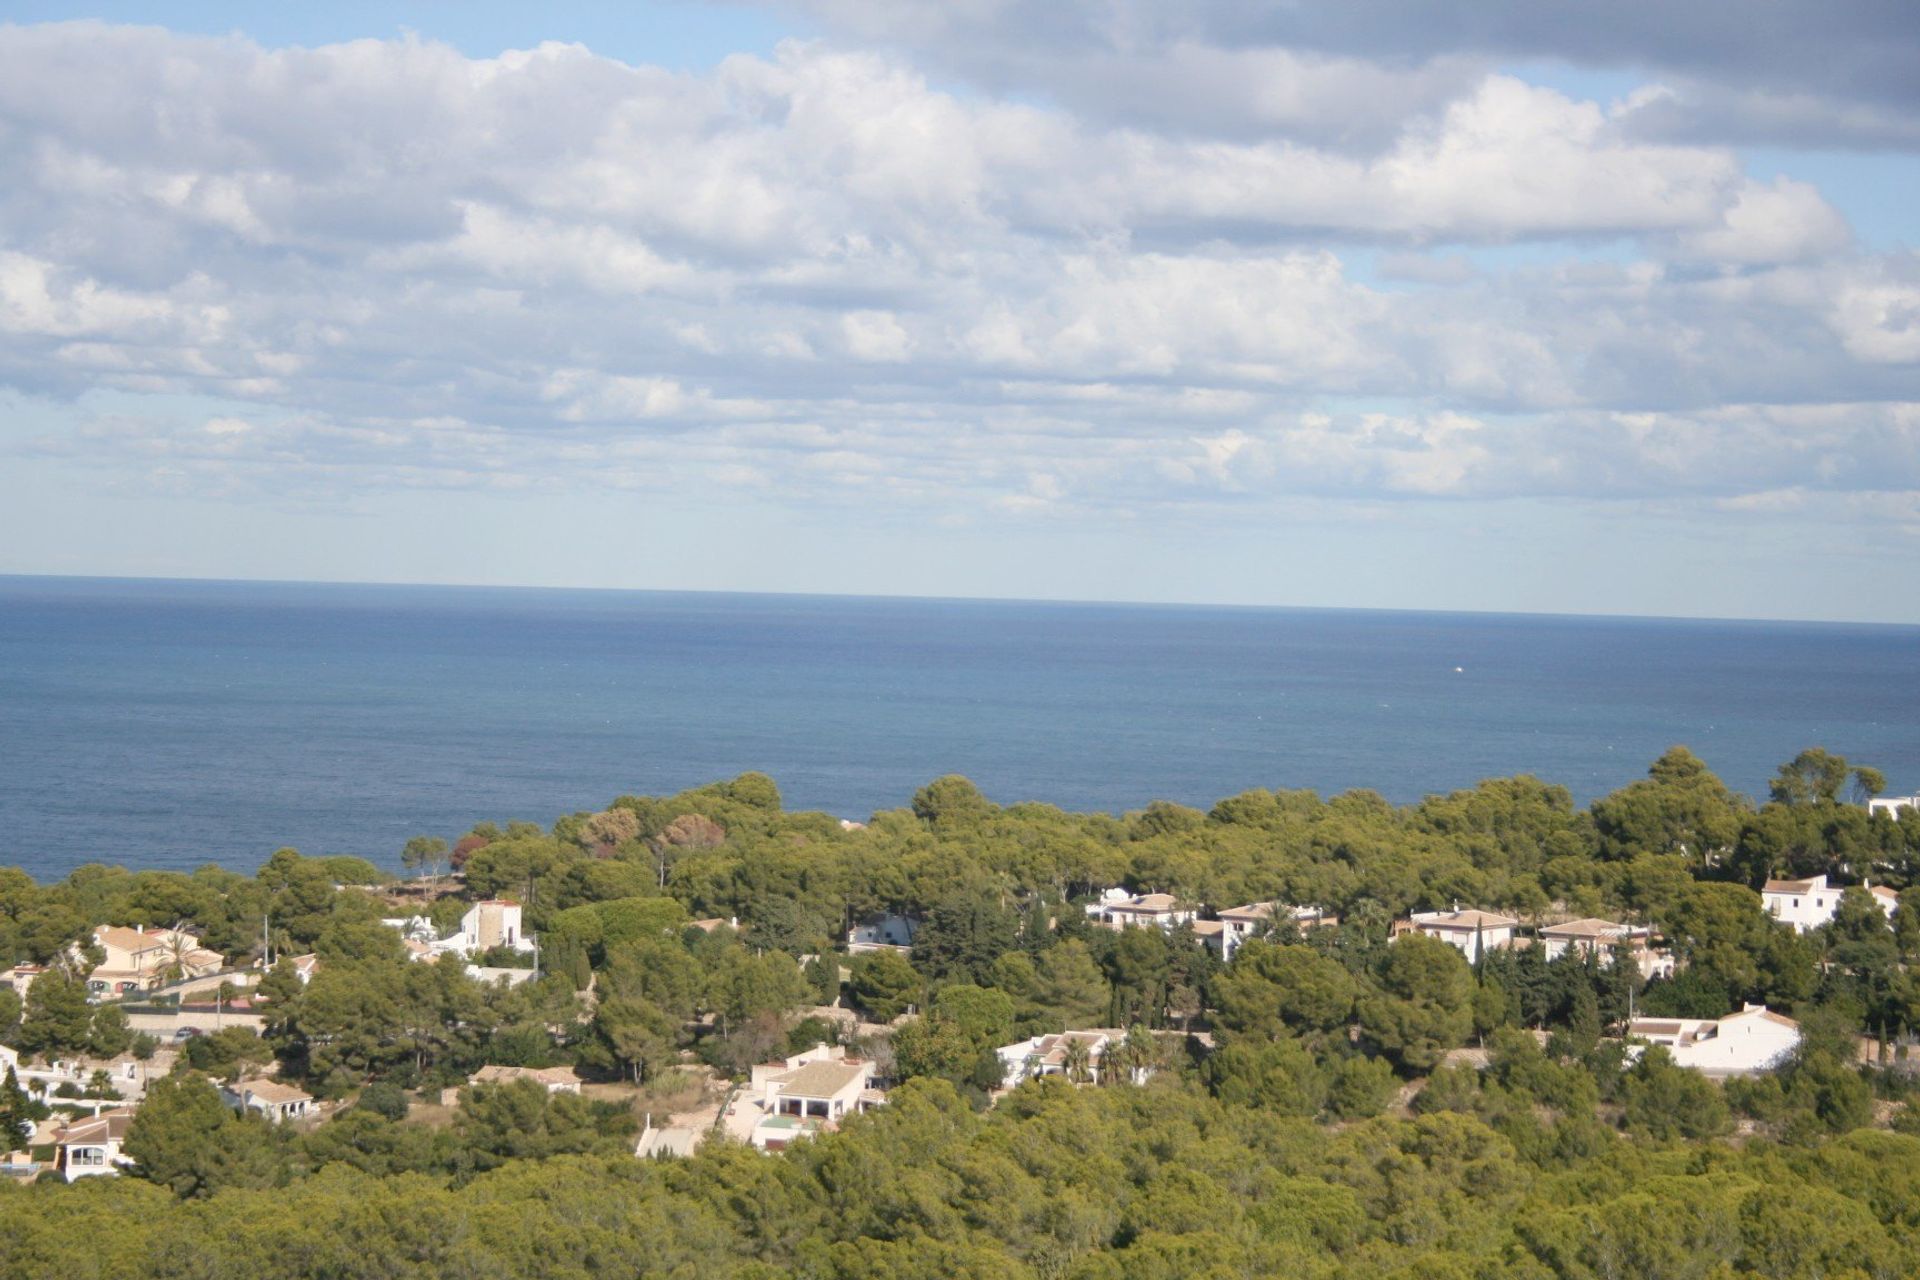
1424	1006
963	936
984	1014
1269	990
743	987
1070	988
951	802
108	1035
1868	782
1279	1077
823	973
884	984
633	1036
521	1120
58	1018
1665	1101
1679	808
424	855
1360	1088
16	1116
1815	776
185	1139
935	1047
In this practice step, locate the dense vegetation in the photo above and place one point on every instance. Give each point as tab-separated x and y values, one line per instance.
1317	1129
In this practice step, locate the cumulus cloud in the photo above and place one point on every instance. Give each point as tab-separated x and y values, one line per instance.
822	276
1838	72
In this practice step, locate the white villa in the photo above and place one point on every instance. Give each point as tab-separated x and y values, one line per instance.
1603	938
271	1098
1755	1039
489	924
138	959
90	1148
1470	932
1892	805
1237	924
1048	1055
1808	904
891	932
809	1092
1118	909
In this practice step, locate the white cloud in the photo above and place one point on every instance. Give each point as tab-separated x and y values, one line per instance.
1784	221
818	275
875	336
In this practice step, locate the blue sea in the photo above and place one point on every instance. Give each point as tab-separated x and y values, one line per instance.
171	724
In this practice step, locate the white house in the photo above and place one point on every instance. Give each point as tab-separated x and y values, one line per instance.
1237	924
891	932
1755	1039
1892	805
1117	909
809	1092
1470	932
1049	1055
1606	939
271	1098
91	1148
1808	904
489	924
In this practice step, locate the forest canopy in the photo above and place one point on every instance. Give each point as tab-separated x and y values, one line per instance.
1332	1101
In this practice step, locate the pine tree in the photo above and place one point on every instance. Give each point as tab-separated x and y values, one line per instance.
16	1119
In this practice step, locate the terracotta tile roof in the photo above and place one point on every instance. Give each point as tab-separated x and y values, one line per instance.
113	935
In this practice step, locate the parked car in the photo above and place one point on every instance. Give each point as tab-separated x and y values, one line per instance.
188	1033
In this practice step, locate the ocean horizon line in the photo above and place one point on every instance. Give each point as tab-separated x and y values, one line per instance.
909	598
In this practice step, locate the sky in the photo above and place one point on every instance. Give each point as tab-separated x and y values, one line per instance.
1594	309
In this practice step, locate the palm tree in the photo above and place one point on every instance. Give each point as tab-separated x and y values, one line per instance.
1077	1061
180	944
1140	1049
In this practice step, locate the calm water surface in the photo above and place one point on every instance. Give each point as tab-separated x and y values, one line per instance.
173	723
